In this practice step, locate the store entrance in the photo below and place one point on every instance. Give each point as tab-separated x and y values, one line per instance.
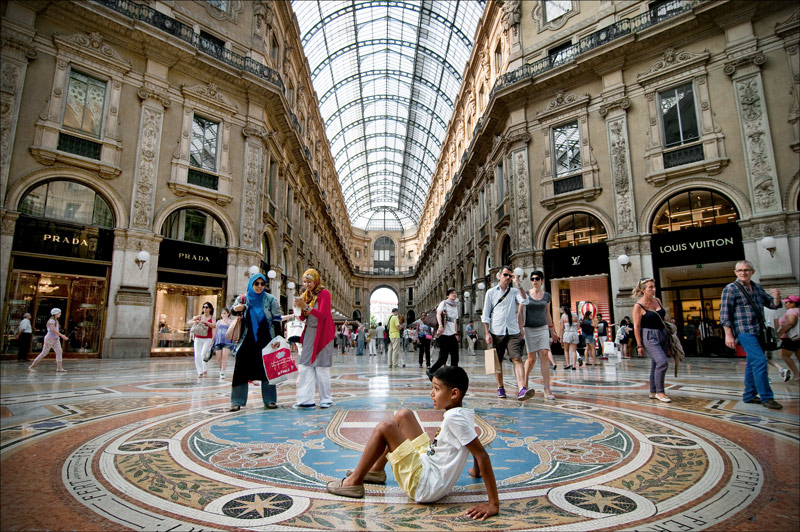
692	295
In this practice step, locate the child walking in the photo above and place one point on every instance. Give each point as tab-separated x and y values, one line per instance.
426	471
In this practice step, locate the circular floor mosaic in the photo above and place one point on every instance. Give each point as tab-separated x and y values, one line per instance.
562	466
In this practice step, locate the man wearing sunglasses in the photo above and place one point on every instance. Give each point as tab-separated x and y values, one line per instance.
501	325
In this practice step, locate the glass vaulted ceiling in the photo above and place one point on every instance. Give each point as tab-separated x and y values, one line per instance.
386	74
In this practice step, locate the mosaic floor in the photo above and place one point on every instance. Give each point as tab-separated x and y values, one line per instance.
144	445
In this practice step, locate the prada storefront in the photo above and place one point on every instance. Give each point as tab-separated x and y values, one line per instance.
576	266
56	264
695	245
192	270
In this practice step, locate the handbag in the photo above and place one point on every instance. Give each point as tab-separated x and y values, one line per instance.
491	363
277	359
199	329
766	335
294	330
234	331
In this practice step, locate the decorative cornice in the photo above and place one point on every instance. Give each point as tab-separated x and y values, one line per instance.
19	43
93	45
623	103
209	93
255	130
562	102
158	95
671	60
755	58
788	26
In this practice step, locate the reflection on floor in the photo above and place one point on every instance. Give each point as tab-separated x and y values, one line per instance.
145	445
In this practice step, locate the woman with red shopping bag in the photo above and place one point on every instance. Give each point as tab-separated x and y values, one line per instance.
316	357
261	313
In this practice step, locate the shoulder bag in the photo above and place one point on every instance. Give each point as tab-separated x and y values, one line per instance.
766	336
199	329
234	330
673	342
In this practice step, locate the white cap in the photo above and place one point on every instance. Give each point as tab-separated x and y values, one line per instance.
55	311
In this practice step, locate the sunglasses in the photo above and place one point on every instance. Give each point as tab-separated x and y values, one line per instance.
259	283
506	275
536	278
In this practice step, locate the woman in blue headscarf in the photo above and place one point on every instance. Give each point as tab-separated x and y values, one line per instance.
261	311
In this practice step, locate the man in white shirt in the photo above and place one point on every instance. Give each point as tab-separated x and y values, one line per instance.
24	336
379	337
501	326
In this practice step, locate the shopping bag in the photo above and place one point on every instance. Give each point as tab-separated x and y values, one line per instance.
234	330
609	348
294	330
492	365
278	363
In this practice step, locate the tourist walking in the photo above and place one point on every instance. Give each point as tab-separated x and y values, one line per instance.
52	340
316	357
501	326
537	321
741	315
380	332
424	337
787	324
587	331
569	337
371	335
203	340
361	339
652	337
24	337
222	346
448	335
261	314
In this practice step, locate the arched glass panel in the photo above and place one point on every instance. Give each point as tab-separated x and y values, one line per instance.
383	254
68	201
506	253
693	208
194	225
576	229
266	250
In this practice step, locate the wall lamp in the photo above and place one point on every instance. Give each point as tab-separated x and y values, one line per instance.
625	261
141	258
769	244
252	270
271	274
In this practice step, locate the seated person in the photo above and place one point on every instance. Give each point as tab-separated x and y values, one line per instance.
425	470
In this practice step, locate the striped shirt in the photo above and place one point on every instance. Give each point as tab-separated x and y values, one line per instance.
736	311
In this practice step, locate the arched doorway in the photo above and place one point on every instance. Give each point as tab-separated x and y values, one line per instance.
381	302
505	254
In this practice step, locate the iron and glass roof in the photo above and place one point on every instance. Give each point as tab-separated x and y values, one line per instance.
387	73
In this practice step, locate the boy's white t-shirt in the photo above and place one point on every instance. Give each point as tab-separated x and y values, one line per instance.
446	456
452	316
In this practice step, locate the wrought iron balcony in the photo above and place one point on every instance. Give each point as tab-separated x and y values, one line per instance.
185	33
594	40
689	154
79	146
202	179
568	184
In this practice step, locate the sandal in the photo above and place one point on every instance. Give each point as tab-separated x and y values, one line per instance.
271	406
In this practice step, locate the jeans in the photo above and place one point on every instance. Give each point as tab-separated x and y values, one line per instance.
360	347
269	393
755	372
655	345
448	345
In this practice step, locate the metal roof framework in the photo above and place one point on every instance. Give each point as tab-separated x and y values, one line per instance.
387	73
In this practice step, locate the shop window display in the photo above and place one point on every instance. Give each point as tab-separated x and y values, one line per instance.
175	306
692	209
575	230
81	300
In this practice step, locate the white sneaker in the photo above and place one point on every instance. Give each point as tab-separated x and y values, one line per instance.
221	376
786	374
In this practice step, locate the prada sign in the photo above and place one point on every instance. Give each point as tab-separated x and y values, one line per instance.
704	245
576	261
191	257
61	239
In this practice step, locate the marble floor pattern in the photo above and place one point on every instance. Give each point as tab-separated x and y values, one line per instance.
145	445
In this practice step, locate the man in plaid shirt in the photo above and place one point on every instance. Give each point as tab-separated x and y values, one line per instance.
742	323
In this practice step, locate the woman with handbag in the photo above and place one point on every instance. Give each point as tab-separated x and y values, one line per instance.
203	326
651	335
788	327
222	345
569	337
261	312
316	357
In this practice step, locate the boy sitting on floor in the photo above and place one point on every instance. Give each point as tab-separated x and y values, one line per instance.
425	470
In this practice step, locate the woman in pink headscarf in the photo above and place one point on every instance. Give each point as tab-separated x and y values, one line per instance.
317	340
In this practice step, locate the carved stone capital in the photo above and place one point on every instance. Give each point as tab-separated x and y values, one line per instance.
158	95
756	58
622	103
260	132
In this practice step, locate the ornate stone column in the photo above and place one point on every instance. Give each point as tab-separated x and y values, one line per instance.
17	50
521	188
8	222
789	31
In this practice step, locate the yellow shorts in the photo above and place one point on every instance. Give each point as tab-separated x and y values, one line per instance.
406	464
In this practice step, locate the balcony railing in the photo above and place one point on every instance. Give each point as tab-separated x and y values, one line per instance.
384	271
202	179
185	33
689	154
78	146
603	36
568	184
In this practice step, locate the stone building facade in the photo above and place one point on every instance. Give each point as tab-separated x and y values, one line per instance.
603	142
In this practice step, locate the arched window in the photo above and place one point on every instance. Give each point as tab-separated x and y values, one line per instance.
693	208
357	315
68	201
266	251
576	229
487	266
194	225
505	254
383	254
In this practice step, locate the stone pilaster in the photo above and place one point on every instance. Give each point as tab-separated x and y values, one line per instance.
621	175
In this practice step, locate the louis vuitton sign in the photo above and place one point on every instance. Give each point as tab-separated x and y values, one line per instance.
191	257
575	261
715	243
